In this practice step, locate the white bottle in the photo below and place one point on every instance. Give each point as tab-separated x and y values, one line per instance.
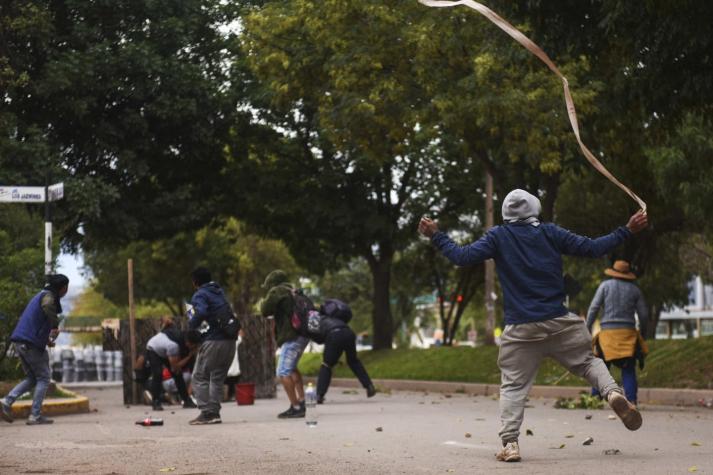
311	406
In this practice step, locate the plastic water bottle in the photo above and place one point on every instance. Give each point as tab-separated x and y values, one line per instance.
311	406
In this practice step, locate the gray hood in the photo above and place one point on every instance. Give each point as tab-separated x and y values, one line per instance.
519	205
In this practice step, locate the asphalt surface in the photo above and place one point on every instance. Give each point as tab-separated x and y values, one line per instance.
410	433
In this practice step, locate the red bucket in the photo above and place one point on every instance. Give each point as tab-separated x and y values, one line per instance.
245	394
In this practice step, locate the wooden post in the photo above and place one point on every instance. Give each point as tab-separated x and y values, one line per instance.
489	265
132	325
698	327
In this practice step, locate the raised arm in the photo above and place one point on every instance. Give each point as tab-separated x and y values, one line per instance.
575	245
474	253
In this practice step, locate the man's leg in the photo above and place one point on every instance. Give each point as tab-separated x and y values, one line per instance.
518	361
156	364
296	377
570	345
595	391
287	365
355	363
628	380
180	386
332	351
27	383
222	355
201	378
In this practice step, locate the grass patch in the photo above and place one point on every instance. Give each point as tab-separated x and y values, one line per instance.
671	363
585	401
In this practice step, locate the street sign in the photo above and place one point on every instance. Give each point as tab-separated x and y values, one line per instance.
22	194
55	192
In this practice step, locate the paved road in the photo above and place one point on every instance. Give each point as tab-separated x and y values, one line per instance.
421	433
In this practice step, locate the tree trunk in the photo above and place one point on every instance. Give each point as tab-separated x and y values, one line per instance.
382	320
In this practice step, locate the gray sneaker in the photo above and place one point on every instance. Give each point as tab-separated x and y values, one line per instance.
34	421
6	412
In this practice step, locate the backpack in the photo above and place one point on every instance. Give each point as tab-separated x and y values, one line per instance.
227	322
335	308
305	317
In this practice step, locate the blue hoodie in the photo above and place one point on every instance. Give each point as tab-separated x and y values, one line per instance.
529	264
34	325
208	302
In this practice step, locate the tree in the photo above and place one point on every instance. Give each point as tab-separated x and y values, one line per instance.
347	117
238	261
129	104
21	259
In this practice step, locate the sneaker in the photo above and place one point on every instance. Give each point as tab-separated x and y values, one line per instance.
509	453
627	412
189	404
320	399
292	413
34	421
204	418
370	391
6	412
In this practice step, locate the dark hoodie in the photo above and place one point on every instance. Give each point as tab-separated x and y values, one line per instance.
208	302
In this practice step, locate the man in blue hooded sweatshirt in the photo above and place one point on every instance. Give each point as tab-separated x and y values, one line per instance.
528	259
37	327
217	351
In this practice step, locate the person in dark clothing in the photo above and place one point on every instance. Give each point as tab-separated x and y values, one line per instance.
217	351
164	350
338	339
528	258
36	329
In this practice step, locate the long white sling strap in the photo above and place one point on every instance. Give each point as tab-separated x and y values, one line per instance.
518	36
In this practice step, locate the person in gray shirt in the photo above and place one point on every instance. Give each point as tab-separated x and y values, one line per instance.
619	342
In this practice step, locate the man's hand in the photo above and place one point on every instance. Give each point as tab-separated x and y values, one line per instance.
54	333
427	227
638	222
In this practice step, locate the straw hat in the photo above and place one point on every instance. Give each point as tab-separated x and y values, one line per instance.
620	270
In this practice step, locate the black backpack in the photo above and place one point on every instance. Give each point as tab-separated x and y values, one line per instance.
305	317
227	322
335	308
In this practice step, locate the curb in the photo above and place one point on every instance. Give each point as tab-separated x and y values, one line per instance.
656	396
53	407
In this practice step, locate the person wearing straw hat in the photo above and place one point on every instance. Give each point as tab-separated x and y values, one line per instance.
619	342
528	259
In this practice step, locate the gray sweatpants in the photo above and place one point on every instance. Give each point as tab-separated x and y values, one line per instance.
564	339
212	363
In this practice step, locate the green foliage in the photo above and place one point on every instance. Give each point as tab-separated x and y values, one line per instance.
585	401
124	103
669	365
238	260
21	264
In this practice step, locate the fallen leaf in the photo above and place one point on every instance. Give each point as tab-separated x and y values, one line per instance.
451	470
696	444
693	469
284	438
168	469
588	441
611	418
529	432
448	396
479	418
569	436
588	416
379	429
560	447
349	444
468	435
612	452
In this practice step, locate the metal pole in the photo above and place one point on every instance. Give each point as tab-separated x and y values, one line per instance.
489	265
132	325
48	228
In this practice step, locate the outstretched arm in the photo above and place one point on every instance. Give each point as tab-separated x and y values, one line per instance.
474	253
576	245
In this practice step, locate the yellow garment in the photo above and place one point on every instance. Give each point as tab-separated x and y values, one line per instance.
618	343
